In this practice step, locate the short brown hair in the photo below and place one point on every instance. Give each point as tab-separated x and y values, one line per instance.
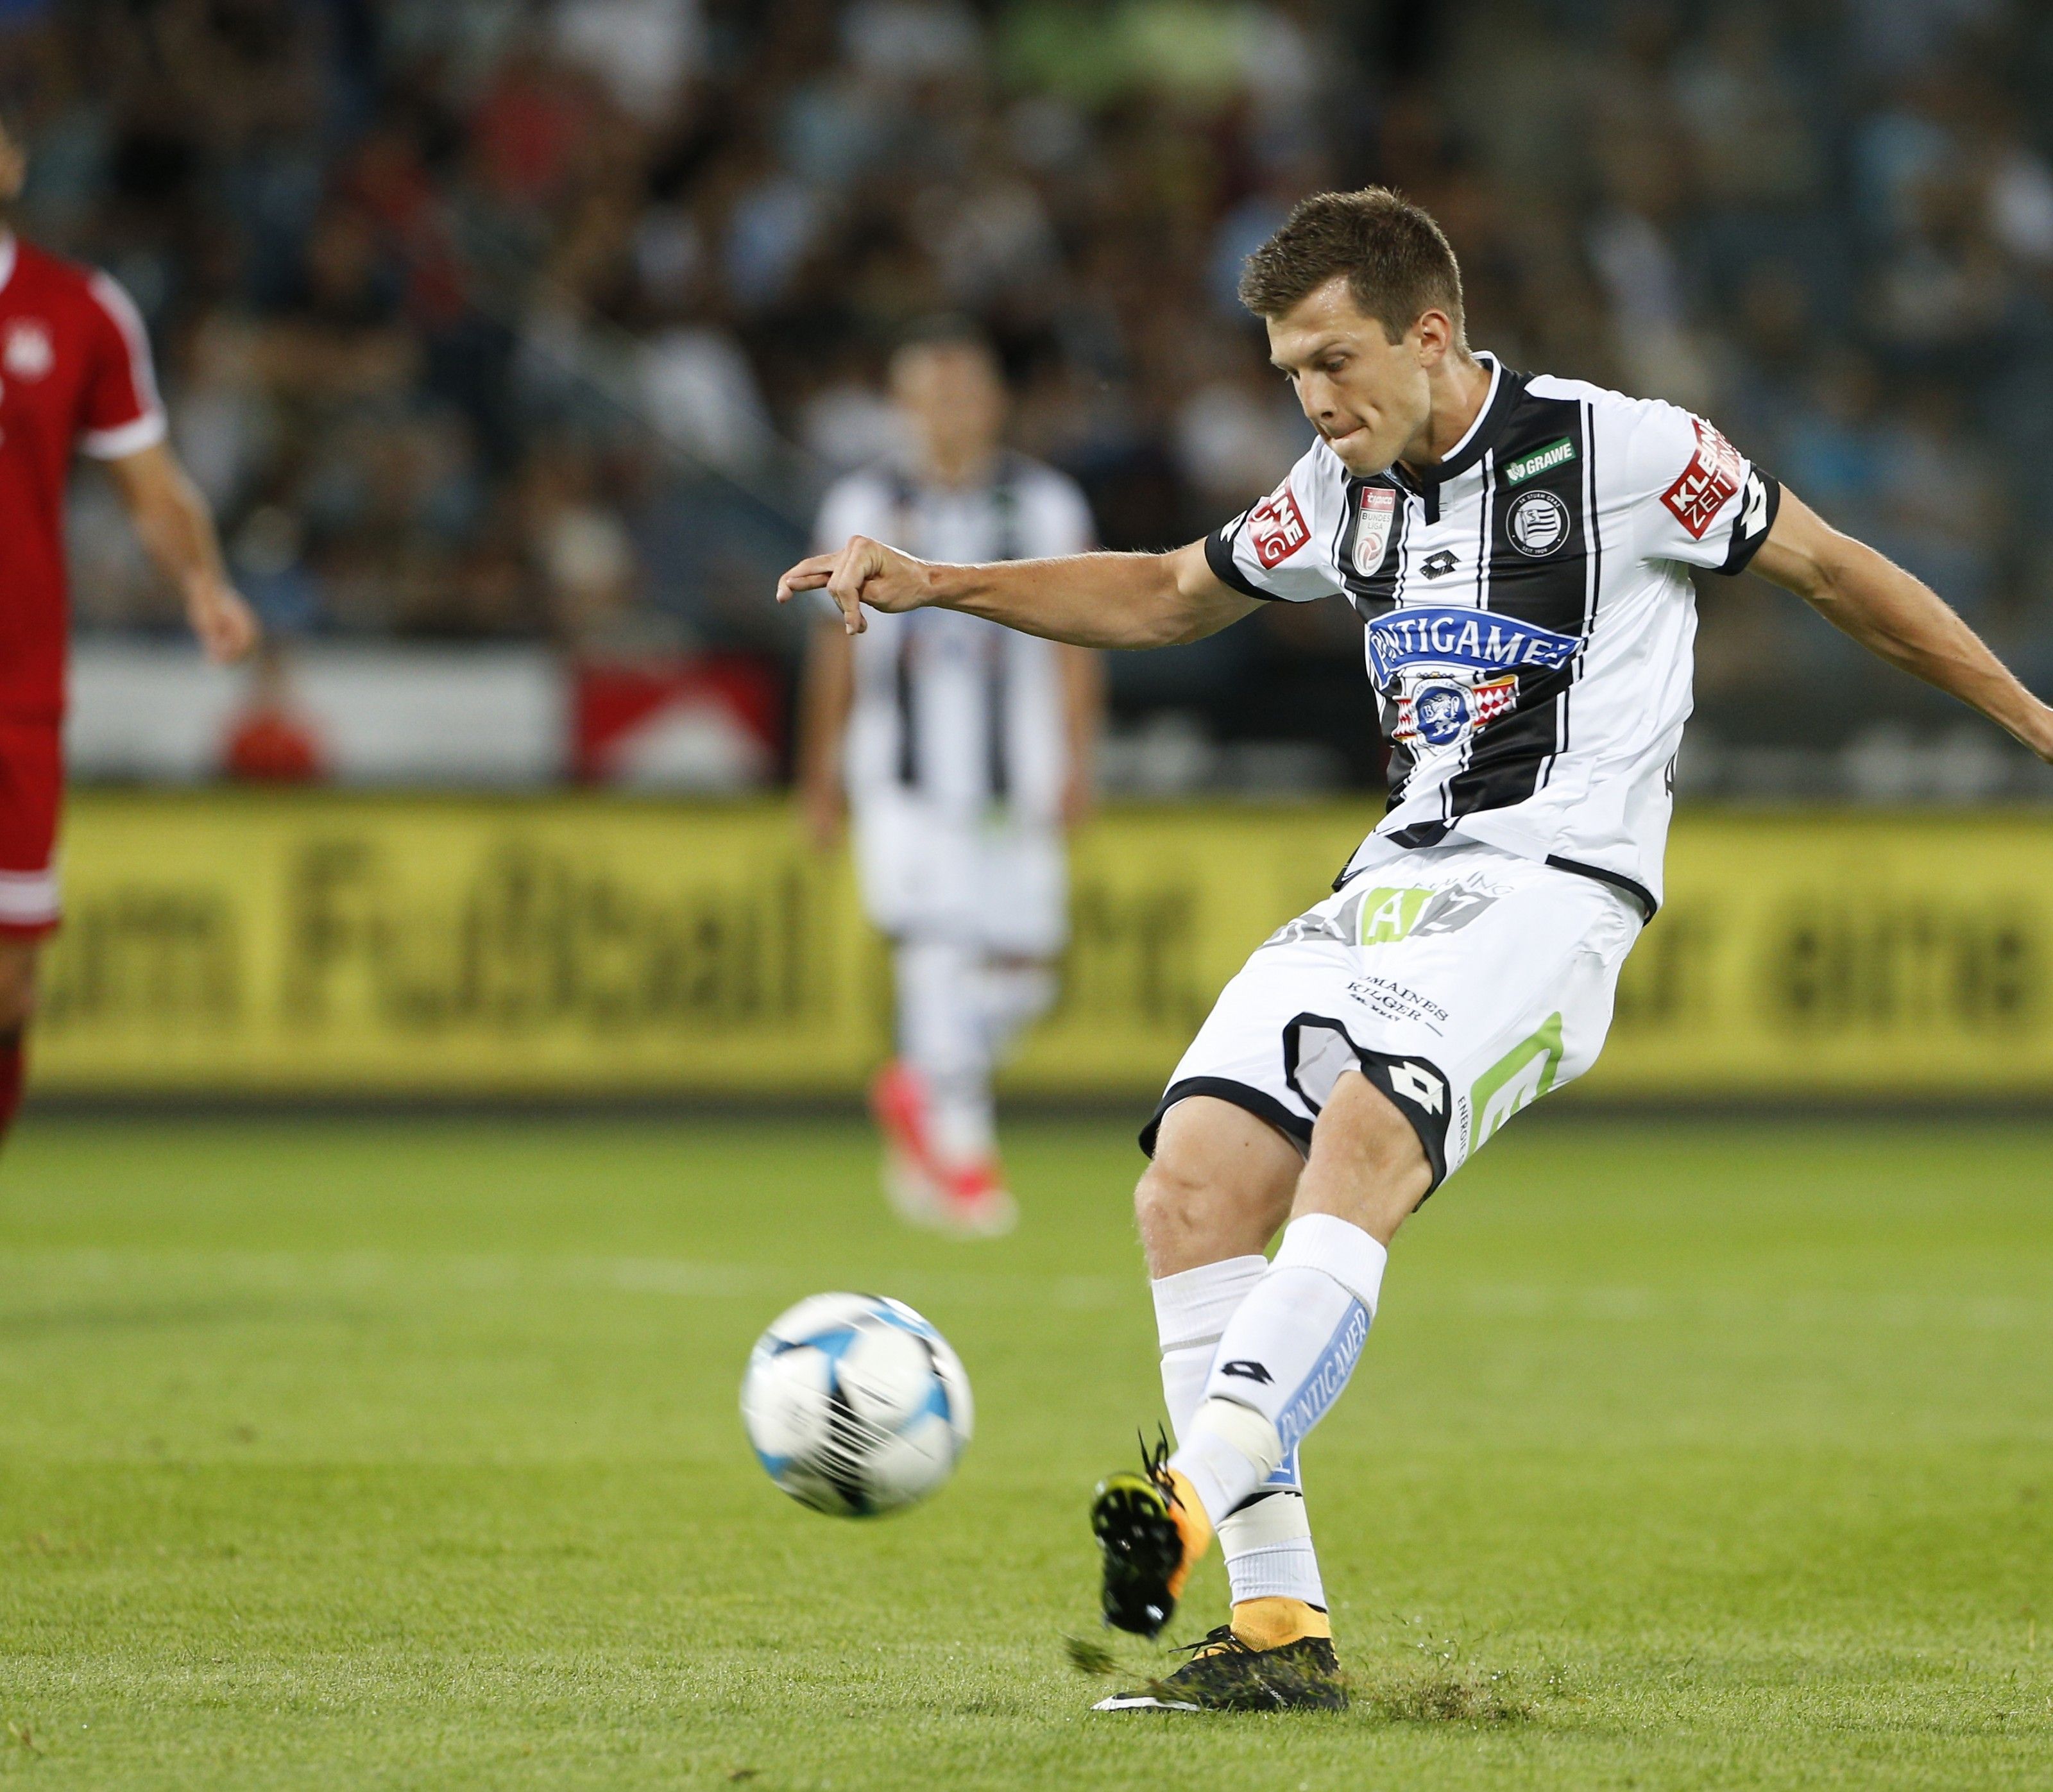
1396	260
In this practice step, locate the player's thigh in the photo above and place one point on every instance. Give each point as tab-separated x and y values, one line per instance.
1219	1185
1367	1164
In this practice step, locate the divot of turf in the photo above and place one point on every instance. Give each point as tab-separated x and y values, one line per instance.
1088	1655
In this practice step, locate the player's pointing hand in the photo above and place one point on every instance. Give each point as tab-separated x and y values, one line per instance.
865	572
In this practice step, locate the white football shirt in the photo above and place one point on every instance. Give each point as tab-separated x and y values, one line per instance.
1530	616
963	713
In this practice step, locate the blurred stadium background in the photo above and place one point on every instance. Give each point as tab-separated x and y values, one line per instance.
515	341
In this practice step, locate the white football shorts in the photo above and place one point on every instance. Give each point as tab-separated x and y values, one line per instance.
999	883
1463	981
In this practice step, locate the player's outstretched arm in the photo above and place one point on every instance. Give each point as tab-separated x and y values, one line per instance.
178	529
1898	617
1090	600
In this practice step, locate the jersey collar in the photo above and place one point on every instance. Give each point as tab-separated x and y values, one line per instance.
1498	403
8	256
1489	420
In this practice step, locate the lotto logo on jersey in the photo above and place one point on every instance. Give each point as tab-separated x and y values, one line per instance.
1278	528
1707	484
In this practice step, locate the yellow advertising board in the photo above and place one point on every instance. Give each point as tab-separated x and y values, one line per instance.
593	946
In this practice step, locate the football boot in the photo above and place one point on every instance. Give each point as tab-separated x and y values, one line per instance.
1225	1673
1151	1531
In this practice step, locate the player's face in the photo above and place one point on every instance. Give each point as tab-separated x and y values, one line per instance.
1368	396
951	394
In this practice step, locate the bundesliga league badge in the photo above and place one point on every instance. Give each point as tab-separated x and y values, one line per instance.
1372	529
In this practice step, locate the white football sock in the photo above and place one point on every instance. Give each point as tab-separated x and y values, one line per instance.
941	1033
1015	996
1284	1356
1191	1308
1267	1545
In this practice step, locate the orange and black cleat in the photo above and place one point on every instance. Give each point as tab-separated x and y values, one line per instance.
1150	1531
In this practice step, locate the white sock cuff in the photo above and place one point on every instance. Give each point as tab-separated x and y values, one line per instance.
1192	1307
1279	1519
1277	1571
1336	1248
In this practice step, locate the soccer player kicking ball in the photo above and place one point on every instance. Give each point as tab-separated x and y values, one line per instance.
963	748
74	372
1518	548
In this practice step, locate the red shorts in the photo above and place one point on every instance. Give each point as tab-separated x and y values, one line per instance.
31	795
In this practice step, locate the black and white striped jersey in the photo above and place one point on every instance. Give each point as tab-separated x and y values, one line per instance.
964	713
1529	614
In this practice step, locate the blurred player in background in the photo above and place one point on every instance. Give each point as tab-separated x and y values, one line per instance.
966	748
75	373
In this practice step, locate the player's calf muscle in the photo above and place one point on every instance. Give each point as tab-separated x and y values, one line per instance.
1367	1166
1220	1186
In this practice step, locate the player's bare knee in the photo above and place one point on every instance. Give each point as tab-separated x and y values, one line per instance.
1219	1185
1173	1207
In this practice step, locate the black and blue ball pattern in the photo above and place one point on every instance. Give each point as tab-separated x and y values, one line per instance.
855	1405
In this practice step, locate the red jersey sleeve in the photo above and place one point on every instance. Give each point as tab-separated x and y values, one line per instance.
120	413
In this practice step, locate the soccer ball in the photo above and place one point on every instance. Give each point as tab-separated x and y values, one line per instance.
855	1405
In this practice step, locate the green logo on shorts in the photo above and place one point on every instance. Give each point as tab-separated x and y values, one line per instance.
1388	915
1517	1080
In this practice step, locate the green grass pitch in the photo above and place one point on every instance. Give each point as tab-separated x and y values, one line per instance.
392	1455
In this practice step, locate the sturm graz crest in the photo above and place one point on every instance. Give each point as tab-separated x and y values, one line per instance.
1537	524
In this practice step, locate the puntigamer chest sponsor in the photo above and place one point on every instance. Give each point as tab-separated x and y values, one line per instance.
1451	672
1468	640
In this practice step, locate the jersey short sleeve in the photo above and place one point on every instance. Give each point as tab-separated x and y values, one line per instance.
120	413
1287	545
1695	498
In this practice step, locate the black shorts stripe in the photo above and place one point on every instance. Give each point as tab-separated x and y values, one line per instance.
1263	1105
1618	881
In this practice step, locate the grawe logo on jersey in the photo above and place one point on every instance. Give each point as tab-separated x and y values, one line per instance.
27	354
1372	529
1278	527
1706	484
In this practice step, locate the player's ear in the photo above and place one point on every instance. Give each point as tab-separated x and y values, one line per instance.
1433	335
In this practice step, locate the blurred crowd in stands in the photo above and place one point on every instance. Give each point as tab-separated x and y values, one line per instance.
548	318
